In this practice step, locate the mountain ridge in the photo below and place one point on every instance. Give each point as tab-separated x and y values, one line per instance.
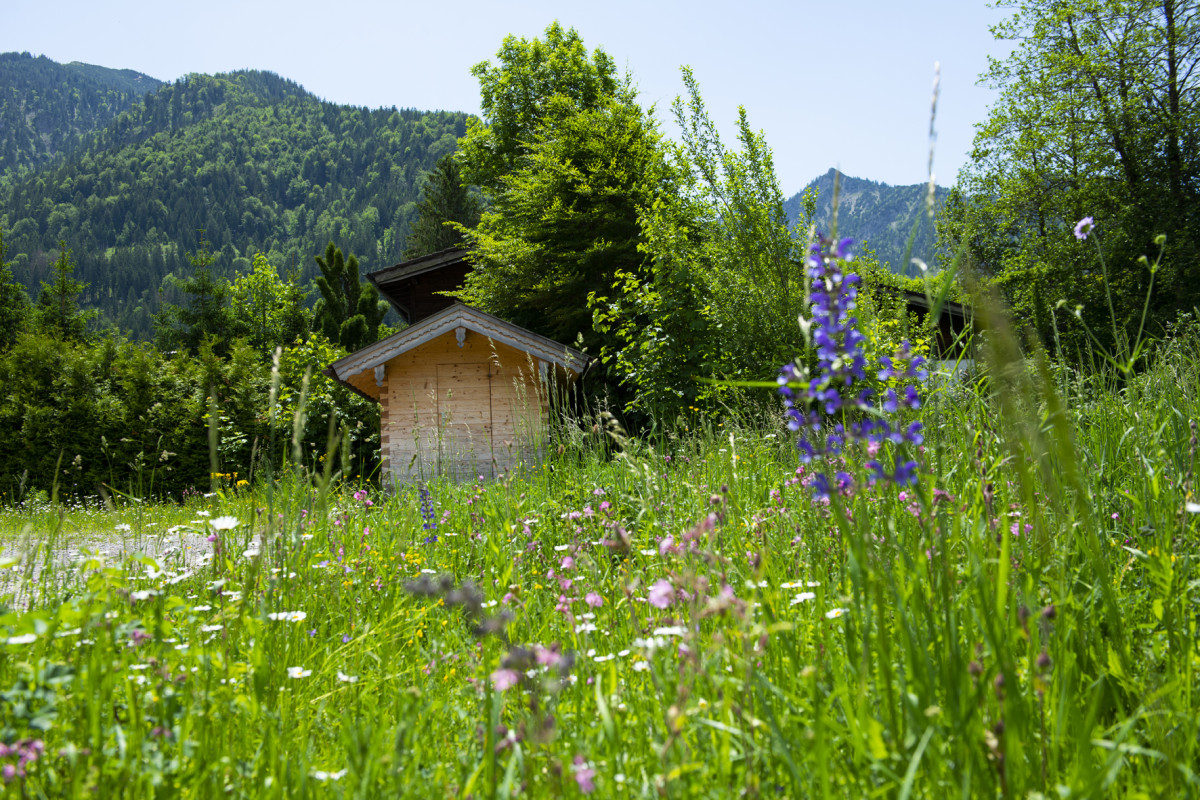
47	108
250	158
875	214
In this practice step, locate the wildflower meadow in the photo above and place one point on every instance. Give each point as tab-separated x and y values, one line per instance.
899	584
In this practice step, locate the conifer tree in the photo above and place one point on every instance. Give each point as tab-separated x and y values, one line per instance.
205	313
348	312
58	311
444	199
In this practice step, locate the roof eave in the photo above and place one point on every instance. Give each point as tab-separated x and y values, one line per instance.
447	320
330	373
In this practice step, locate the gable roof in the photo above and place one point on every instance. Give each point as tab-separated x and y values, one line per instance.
446	321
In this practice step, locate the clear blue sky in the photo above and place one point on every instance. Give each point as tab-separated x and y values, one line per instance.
842	83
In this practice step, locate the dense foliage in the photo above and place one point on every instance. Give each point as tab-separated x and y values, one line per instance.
1098	116
88	414
88	418
724	287
565	158
47	109
251	160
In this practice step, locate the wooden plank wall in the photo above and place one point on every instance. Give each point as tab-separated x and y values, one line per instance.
463	411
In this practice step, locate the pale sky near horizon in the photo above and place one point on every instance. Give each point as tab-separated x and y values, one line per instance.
833	84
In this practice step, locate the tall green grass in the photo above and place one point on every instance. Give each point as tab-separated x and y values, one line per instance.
1020	624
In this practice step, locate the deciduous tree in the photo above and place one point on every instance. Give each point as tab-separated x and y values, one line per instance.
1098	115
536	84
267	310
567	160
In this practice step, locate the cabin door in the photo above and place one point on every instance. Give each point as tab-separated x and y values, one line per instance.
464	400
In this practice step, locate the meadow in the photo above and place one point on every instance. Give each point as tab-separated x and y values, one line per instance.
670	616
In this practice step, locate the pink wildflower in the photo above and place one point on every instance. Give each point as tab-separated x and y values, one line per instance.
662	594
548	656
584	776
504	679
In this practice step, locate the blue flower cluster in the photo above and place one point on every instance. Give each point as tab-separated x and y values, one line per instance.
829	391
428	514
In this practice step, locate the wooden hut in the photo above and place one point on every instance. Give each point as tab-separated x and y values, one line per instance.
461	392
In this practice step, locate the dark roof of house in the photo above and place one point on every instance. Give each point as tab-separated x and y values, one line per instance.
950	308
417	266
395	281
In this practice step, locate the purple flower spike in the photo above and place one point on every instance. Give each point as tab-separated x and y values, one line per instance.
820	486
830	391
914	435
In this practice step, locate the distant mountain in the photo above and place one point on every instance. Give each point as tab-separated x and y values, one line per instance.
47	108
879	215
252	159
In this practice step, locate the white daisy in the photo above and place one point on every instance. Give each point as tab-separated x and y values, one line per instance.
321	775
673	630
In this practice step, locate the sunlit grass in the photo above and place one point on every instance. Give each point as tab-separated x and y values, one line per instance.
672	618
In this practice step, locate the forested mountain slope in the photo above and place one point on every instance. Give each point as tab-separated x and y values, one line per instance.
880	215
251	159
47	108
